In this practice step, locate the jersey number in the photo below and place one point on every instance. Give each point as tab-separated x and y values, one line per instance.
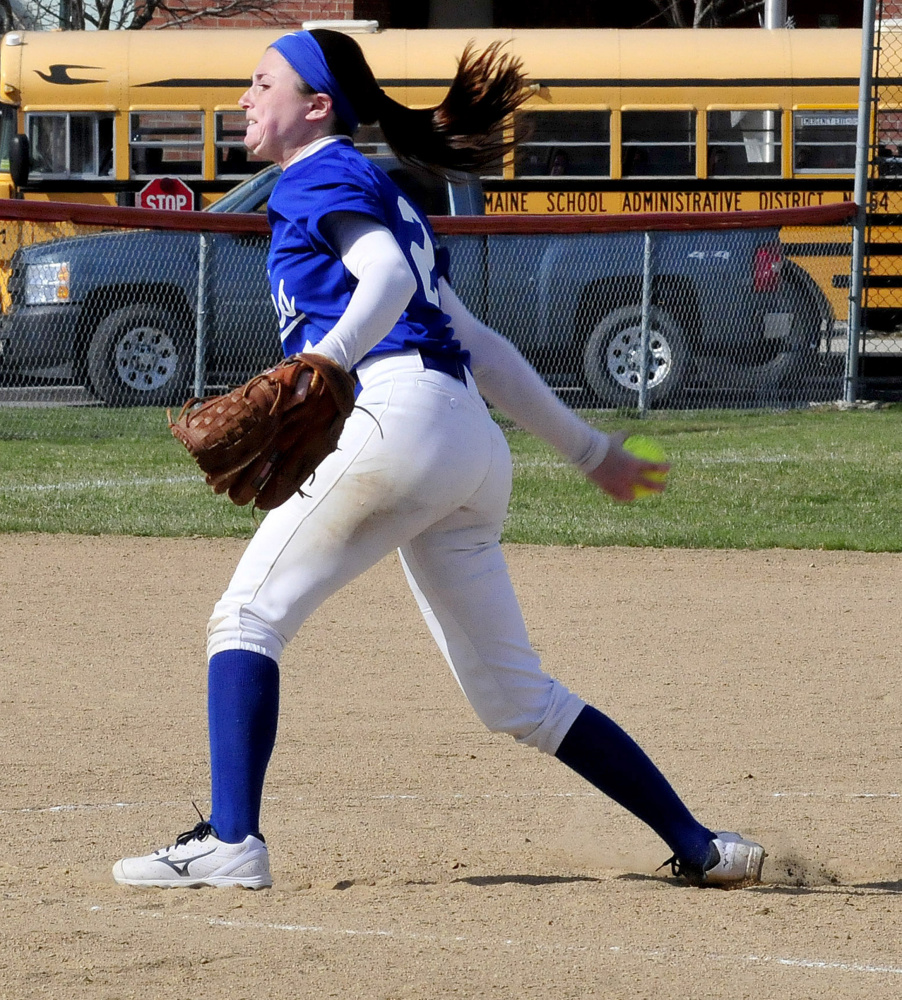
423	255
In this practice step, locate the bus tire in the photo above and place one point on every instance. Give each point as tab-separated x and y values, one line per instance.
140	355
611	357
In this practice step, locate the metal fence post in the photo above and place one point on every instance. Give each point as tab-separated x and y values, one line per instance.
644	336
859	227
200	342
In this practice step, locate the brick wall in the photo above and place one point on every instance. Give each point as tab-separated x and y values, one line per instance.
289	13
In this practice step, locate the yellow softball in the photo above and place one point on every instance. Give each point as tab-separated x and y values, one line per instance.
651	451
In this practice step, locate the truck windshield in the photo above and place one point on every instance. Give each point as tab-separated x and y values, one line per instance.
250	195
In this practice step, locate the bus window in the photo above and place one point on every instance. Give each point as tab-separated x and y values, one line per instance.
824	141
70	145
658	143
233	159
166	142
7	131
744	143
562	143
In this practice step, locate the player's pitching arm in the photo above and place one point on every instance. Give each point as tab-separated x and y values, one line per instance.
511	384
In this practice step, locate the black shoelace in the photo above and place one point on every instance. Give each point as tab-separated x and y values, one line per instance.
200	832
692	873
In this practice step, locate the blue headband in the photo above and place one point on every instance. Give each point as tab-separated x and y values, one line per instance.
306	58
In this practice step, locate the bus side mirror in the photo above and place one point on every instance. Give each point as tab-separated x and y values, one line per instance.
19	160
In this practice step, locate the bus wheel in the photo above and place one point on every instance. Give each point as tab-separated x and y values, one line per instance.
612	357
139	356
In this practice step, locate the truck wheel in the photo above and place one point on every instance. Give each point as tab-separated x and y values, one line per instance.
612	360
809	325
783	366
139	356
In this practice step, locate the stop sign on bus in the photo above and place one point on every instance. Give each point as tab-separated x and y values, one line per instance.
171	194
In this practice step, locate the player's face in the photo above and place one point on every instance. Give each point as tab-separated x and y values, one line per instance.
280	119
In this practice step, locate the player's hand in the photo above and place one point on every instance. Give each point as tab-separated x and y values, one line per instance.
621	472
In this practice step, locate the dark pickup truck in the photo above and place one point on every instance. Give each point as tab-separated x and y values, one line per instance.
146	317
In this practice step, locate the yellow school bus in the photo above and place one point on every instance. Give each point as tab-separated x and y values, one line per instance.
693	122
620	122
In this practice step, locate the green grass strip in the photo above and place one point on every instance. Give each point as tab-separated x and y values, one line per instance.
824	477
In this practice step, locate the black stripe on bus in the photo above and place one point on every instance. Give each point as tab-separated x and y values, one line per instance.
189	82
701	81
870	281
884	249
817	249
243	82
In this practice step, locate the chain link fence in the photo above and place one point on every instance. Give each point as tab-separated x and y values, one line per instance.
729	313
880	341
693	313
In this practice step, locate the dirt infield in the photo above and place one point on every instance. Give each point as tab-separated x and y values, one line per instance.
417	856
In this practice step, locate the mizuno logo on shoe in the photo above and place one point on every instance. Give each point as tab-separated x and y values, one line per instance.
181	867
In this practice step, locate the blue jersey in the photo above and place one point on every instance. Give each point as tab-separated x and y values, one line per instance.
311	287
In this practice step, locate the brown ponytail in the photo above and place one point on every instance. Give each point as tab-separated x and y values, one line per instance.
461	133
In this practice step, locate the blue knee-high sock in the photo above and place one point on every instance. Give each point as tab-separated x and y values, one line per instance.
243	711
602	753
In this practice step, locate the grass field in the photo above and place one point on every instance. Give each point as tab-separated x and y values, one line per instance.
819	478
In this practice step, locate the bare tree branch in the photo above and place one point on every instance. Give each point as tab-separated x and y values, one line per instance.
185	13
672	12
700	13
112	15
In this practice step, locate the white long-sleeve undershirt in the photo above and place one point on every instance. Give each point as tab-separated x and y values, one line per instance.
504	377
510	383
385	285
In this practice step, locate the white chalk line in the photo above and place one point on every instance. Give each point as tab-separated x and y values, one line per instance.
522	463
837	795
507	944
725	459
743	459
96	484
395	796
407	797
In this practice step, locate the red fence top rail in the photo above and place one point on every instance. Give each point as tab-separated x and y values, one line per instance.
233	222
132	218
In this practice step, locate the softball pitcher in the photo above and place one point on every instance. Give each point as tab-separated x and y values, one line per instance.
421	467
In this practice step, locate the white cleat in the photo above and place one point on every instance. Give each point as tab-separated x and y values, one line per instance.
732	862
739	861
199	858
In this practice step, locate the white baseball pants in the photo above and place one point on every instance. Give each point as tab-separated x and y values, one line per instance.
423	468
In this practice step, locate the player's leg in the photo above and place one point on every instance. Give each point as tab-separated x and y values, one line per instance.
408	457
387	482
602	753
457	572
299	555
